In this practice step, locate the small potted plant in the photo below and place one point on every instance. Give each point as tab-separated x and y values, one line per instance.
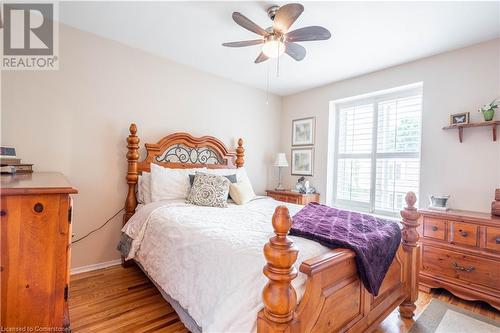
488	110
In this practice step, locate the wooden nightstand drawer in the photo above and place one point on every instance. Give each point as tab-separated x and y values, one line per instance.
434	228
278	197
293	197
493	238
464	233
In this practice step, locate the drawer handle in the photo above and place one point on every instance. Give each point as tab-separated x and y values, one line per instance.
457	267
3	213
497	240
38	207
434	228
463	233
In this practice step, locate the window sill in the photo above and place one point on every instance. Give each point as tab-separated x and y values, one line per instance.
393	218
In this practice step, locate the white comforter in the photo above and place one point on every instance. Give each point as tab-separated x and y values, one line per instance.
210	259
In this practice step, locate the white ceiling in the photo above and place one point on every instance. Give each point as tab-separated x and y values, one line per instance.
366	36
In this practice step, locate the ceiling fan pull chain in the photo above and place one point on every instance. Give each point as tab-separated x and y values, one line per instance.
278	63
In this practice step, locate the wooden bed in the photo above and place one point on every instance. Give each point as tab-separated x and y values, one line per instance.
335	299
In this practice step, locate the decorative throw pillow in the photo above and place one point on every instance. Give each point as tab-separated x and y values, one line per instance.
242	192
232	179
209	190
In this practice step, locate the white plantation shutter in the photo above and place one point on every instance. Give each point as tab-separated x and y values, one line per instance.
377	156
354	179
355	130
394	178
398	128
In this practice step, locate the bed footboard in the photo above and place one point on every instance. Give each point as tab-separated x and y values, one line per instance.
335	299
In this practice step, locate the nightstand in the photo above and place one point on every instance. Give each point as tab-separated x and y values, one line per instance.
293	197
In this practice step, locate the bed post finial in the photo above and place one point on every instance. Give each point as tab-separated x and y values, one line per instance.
412	251
279	296
240	153
133	129
132	158
410	222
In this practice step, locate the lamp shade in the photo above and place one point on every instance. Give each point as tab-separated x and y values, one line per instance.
280	160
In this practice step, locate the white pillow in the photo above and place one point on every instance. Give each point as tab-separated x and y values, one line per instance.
241	192
167	184
144	188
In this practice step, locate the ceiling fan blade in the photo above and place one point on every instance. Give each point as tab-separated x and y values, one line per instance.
262	57
307	34
295	51
245	22
286	15
244	43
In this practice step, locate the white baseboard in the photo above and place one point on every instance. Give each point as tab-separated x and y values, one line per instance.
94	267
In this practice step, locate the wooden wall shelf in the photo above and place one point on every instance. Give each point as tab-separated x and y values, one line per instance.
493	124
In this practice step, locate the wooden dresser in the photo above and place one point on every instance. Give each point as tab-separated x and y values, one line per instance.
461	253
35	235
293	197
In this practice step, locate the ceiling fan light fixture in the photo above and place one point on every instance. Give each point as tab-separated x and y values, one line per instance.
277	39
273	47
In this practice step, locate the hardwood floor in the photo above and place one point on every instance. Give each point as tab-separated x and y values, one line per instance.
124	300
119	300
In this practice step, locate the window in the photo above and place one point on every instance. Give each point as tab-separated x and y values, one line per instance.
377	150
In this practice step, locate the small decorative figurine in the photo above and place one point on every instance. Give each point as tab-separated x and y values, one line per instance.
304	187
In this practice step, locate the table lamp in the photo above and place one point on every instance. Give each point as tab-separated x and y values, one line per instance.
280	162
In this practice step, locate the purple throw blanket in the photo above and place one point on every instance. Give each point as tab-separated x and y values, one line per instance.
374	240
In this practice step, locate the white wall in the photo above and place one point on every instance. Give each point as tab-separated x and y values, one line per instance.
75	120
457	81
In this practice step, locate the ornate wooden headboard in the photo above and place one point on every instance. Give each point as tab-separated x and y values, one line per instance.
177	151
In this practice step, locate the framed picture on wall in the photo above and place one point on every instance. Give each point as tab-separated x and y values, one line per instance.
302	161
303	131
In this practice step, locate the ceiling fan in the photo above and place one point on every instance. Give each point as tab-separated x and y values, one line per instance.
276	39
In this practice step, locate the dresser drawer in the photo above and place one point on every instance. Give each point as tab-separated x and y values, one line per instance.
493	238
464	233
278	197
434	228
293	197
464	267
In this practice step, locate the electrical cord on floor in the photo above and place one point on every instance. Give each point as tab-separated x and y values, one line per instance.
102	226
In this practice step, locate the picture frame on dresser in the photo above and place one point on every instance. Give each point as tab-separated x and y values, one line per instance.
303	131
